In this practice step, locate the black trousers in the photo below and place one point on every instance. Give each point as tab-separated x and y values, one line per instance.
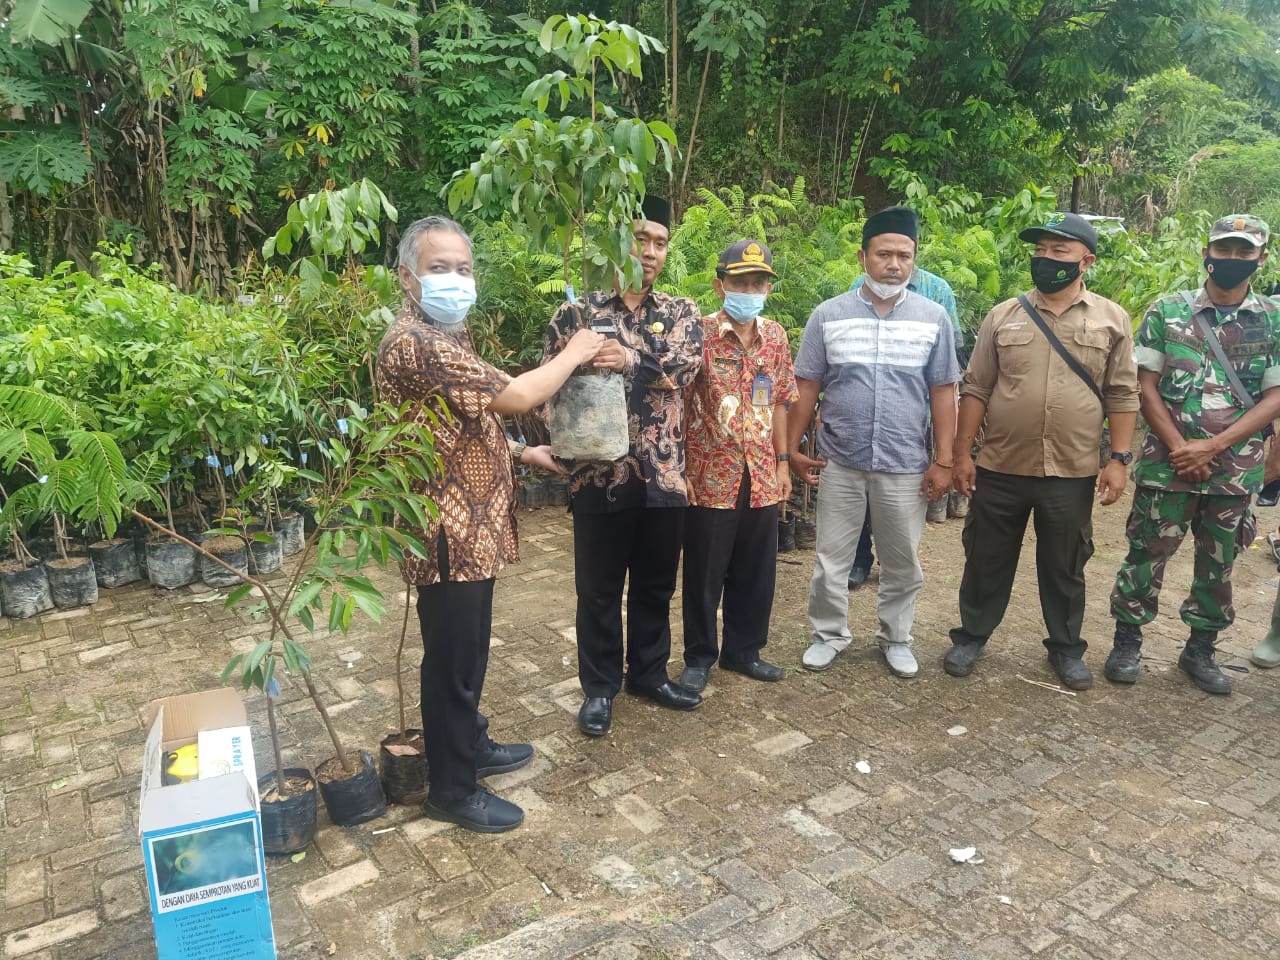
455	619
729	554
1061	508
641	547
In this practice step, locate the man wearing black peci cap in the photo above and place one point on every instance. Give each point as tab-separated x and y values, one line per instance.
884	359
1043	402
628	516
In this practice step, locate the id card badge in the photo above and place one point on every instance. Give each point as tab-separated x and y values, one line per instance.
761	391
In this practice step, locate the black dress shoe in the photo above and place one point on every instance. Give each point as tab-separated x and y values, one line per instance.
755	669
482	812
502	758
694	678
1072	671
669	695
595	716
962	657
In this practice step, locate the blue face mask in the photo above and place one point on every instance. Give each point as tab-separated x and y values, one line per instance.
446	298
743	307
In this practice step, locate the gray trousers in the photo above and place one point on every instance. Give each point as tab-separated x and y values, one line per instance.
899	510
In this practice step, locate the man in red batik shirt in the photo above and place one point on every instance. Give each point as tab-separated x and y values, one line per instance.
738	472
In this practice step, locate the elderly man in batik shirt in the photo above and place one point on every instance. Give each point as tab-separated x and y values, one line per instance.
738	472
426	360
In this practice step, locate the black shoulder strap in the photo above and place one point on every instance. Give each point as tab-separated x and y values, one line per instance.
1211	338
1054	342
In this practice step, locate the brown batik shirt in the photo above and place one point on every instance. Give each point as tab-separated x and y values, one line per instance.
475	491
663	340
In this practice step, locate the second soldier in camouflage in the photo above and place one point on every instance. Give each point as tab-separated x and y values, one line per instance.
1203	456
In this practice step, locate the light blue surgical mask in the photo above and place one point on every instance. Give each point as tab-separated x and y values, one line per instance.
743	307
446	298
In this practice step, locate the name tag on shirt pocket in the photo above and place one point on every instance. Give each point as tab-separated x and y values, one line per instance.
1242	353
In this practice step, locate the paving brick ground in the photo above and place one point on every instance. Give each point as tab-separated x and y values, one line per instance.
1139	823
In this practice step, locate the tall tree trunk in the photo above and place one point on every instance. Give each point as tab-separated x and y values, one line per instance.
1077	182
675	59
822	130
666	58
837	147
693	130
782	106
862	145
6	218
50	226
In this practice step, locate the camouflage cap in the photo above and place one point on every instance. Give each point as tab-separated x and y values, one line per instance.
1242	225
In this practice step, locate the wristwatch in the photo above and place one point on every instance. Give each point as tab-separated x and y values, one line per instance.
1125	458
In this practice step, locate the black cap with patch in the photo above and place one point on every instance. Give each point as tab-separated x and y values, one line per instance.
1069	225
745	256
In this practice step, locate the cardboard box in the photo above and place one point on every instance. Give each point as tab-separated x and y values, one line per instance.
224	750
202	841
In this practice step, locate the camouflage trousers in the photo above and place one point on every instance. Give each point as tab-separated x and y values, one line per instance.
1157	524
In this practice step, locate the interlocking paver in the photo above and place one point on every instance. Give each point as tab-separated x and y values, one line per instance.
739	877
1126	822
53	932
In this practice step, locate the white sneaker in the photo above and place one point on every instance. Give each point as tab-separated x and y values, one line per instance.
901	661
819	655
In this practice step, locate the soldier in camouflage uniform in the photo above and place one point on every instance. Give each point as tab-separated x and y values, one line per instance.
1203	456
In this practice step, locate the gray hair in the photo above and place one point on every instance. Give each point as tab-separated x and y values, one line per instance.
407	254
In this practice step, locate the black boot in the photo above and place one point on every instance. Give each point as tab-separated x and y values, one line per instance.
1197	663
1126	652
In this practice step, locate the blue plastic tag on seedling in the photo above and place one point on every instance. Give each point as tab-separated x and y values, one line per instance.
303	458
568	293
342	427
273	688
228	470
364	413
212	460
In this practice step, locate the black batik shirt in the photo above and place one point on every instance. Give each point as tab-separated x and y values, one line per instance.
658	369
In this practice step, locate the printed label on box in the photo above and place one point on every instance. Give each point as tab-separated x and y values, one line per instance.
225	751
208	888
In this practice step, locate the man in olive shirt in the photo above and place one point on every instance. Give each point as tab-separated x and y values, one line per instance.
1040	455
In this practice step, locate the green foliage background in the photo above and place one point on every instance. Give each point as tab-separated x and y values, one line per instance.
187	128
151	155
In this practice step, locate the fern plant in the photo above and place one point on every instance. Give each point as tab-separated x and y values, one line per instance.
57	462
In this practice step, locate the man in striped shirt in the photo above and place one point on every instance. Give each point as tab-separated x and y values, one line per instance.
883	358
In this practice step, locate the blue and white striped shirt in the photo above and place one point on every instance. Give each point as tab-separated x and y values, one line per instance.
875	374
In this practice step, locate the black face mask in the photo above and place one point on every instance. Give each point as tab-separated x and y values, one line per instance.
1229	272
1050	276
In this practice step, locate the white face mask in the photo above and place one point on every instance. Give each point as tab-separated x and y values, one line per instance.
885	291
446	298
